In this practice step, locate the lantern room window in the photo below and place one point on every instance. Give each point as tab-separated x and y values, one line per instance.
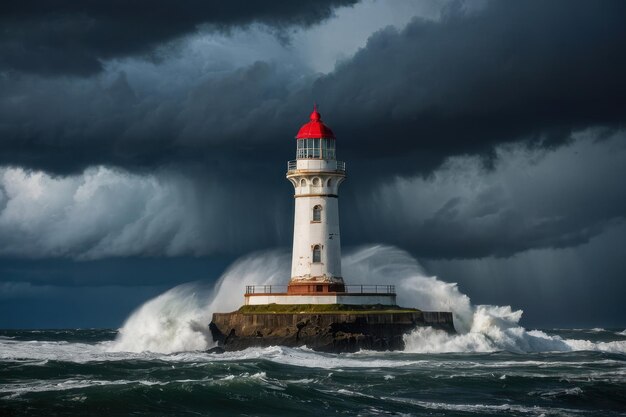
316	149
317	254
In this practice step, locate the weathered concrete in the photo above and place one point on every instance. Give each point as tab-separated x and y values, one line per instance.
313	298
327	332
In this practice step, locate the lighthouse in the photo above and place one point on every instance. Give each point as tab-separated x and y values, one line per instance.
316	175
315	307
316	276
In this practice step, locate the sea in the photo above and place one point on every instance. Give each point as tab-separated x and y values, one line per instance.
157	364
74	372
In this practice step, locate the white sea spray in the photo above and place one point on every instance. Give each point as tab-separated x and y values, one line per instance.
177	320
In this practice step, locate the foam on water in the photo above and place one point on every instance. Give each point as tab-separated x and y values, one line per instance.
310	359
177	320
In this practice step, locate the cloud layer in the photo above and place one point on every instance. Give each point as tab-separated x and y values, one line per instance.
461	84
529	198
68	37
105	212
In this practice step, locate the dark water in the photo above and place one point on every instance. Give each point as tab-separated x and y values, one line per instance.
74	373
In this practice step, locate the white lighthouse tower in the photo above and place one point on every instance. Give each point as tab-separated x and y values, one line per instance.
316	175
316	278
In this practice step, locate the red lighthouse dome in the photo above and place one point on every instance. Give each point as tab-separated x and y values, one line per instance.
315	129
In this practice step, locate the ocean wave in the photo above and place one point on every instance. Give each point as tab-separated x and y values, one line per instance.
310	359
15	390
176	321
497	329
482	409
572	392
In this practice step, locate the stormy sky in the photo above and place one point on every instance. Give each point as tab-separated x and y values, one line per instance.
144	145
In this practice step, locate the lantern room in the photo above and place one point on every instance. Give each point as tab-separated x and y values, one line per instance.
315	139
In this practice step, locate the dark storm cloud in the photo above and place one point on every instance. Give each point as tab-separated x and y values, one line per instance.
74	37
510	71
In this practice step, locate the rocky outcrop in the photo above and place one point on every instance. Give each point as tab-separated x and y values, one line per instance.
328	332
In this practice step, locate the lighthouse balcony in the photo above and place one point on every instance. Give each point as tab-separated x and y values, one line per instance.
324	165
315	293
342	288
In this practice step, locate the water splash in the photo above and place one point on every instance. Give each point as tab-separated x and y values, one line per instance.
172	322
177	320
381	264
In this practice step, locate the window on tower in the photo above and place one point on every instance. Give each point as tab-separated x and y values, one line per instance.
317	253
317	213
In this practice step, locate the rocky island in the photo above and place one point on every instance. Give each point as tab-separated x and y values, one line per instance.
326	328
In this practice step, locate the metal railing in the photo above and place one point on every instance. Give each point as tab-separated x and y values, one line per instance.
266	289
293	166
348	289
371	289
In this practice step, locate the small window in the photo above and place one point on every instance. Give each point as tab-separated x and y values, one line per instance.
316	182
328	183
317	213
302	182
317	253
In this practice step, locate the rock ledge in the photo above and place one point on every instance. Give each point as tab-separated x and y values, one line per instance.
325	332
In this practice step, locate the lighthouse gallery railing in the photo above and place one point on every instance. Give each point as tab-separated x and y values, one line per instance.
293	166
350	289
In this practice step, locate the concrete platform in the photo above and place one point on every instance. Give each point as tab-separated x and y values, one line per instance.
328	298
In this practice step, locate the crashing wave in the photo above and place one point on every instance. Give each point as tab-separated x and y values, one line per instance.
177	320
